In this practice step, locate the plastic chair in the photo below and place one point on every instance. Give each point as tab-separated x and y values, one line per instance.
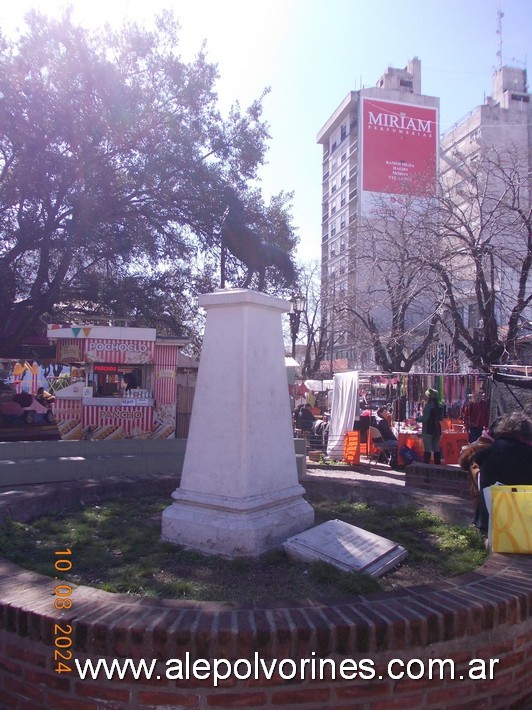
380	446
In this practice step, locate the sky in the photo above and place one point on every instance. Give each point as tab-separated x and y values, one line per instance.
312	53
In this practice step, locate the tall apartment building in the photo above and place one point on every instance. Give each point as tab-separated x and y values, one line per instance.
502	122
500	128
378	141
376	145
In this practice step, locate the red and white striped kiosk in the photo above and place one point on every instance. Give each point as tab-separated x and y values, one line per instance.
126	382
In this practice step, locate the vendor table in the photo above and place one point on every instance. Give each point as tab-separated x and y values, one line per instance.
413	441
451	444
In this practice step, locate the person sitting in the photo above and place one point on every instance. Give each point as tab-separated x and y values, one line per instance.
44	397
6	392
508	460
386	432
384	427
5	386
306	419
468	463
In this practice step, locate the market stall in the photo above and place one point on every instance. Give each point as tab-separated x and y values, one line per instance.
123	382
451	443
453	390
404	395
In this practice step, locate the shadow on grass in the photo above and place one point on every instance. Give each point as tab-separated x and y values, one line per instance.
116	546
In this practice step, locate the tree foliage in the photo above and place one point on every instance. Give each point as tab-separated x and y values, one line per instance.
113	158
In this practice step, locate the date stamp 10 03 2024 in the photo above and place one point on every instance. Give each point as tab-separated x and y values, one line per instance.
62	600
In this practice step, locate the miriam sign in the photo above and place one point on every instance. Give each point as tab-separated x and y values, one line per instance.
399	143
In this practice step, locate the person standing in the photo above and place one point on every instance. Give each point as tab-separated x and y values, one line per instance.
475	415
131	382
431	418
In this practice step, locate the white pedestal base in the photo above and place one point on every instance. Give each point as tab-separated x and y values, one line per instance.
239	493
217	525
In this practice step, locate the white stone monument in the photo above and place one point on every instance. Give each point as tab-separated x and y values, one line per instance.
239	494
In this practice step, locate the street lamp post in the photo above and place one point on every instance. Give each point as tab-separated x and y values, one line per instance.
299	303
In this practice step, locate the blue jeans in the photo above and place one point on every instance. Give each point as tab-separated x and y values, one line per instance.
431	443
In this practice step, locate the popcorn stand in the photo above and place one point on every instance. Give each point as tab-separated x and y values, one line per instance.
123	382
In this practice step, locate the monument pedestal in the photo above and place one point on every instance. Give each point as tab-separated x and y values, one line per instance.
239	494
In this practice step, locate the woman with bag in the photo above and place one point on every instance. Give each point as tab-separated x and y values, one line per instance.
508	460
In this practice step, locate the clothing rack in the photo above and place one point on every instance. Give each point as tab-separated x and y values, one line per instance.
453	389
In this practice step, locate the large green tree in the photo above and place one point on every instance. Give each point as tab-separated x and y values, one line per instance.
113	159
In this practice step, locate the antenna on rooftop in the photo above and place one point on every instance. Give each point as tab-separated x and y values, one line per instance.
500	15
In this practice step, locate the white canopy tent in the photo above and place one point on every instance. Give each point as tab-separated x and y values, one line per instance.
319	385
344	411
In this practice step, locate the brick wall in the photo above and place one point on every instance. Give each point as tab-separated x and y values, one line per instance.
485	614
449	480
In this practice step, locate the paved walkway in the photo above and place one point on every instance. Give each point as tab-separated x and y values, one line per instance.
381	473
385	486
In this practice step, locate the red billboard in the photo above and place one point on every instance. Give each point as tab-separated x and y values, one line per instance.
399	144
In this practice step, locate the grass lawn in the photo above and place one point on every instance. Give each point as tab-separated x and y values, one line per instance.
116	547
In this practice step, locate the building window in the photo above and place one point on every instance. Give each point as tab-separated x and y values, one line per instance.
473	315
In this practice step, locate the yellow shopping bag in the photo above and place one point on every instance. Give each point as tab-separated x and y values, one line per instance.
511	519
